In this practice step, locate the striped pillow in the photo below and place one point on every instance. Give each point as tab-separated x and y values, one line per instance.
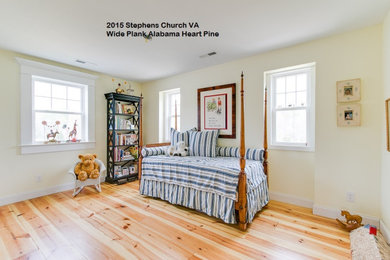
151	151
250	153
203	143
176	136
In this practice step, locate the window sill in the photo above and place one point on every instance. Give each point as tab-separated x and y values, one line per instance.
291	148
58	147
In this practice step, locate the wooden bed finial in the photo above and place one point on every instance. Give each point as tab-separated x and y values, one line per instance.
242	200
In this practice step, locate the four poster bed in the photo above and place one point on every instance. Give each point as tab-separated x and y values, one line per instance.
220	184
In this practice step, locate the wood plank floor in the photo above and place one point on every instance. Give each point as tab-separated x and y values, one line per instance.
120	224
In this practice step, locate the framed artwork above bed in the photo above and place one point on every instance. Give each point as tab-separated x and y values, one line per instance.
217	109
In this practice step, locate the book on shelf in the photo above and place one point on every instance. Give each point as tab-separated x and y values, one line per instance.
117	171
125	108
123	154
124	124
125	171
133	169
125	139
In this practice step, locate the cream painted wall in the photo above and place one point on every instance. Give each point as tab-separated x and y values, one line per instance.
346	159
385	181
18	172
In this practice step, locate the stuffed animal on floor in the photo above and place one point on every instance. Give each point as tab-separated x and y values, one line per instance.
87	168
179	149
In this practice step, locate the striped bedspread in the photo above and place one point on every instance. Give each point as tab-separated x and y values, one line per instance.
207	184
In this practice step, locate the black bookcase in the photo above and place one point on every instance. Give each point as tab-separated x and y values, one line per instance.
123	121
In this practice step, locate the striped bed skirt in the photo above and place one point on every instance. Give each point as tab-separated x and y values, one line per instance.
207	202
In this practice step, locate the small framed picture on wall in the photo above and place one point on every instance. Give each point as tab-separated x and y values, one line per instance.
348	90
348	115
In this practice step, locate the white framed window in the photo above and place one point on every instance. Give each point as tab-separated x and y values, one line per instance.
57	108
291	107
169	102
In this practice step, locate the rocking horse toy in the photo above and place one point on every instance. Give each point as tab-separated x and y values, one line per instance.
352	221
53	131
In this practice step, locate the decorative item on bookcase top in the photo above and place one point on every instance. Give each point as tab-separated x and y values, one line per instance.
348	115
51	131
122	88
348	90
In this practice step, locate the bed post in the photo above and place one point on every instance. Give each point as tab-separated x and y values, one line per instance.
140	143
242	200
265	142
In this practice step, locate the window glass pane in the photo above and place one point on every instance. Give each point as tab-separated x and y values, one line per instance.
301	99
290	83
74	93
58	104
280	100
50	126
42	103
74	106
291	126
281	85
42	89
58	91
178	123
301	82
290	99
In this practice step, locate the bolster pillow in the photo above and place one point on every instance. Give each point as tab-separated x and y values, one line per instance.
152	151
256	154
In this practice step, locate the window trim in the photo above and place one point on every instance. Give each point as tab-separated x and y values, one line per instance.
28	69
163	113
310	68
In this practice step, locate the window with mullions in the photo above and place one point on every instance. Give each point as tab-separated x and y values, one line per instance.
291	107
58	110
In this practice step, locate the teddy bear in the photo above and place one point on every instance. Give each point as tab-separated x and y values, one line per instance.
179	149
87	168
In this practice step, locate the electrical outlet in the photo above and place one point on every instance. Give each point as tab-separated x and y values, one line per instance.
350	196
38	178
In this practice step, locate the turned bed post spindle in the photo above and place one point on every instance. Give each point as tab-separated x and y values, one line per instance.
242	200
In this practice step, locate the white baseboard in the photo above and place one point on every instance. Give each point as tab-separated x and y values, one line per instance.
335	213
38	193
385	231
34	194
291	199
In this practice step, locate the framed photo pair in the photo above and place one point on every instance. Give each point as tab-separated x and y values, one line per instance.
217	109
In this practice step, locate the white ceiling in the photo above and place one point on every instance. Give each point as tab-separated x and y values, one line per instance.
66	30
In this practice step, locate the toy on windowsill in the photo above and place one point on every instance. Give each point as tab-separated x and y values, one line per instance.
352	221
73	133
53	131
